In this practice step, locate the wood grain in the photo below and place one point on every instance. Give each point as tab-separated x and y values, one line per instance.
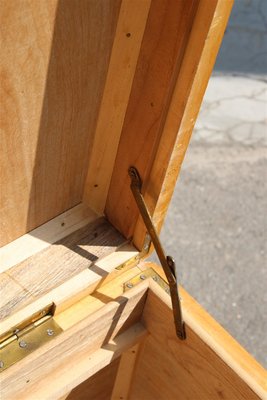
73	290
209	364
161	54
99	386
204	41
60	262
123	382
54	60
84	338
43	236
124	55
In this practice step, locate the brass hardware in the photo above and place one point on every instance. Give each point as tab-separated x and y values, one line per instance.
148	273
27	337
167	262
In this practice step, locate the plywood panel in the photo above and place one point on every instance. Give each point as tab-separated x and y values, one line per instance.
54	59
189	369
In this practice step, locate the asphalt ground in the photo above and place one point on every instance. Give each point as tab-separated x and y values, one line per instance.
217	222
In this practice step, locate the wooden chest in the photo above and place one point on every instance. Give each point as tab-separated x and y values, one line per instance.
99	99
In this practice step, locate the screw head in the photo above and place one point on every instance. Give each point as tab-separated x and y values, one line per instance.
2	364
167	290
129	285
143	277
50	332
23	344
155	278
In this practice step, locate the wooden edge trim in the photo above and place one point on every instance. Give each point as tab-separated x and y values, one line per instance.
86	336
45	235
124	56
123	381
75	288
207	32
83	366
219	340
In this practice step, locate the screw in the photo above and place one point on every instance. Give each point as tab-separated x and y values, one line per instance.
129	285
167	290
22	344
143	277
155	278
50	332
2	364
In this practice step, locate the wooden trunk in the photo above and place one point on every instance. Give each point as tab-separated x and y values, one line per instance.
90	88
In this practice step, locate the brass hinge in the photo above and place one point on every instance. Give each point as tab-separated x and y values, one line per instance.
167	262
27	337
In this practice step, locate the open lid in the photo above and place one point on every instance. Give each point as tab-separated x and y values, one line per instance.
90	89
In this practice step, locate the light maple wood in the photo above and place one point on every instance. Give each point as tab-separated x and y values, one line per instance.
54	61
161	54
84	366
60	262
123	60
210	364
125	371
97	387
66	294
88	335
200	54
45	235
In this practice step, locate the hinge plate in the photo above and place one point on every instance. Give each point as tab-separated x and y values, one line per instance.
25	341
148	273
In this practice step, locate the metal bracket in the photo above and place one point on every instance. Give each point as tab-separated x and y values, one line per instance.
27	337
167	262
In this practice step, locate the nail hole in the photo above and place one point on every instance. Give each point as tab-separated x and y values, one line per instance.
62	223
95	185
133	351
95	234
128	34
152	104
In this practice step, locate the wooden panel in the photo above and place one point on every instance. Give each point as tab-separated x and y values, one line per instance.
208	365
205	38
54	59
125	51
60	355
99	386
60	262
166	35
43	236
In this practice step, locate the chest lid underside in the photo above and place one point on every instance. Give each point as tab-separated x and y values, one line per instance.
94	88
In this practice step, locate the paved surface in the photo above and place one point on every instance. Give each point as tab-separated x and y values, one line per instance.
216	226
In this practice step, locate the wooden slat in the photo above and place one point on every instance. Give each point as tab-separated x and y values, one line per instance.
125	51
205	38
60	262
64	351
43	236
122	385
54	60
161	54
209	364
